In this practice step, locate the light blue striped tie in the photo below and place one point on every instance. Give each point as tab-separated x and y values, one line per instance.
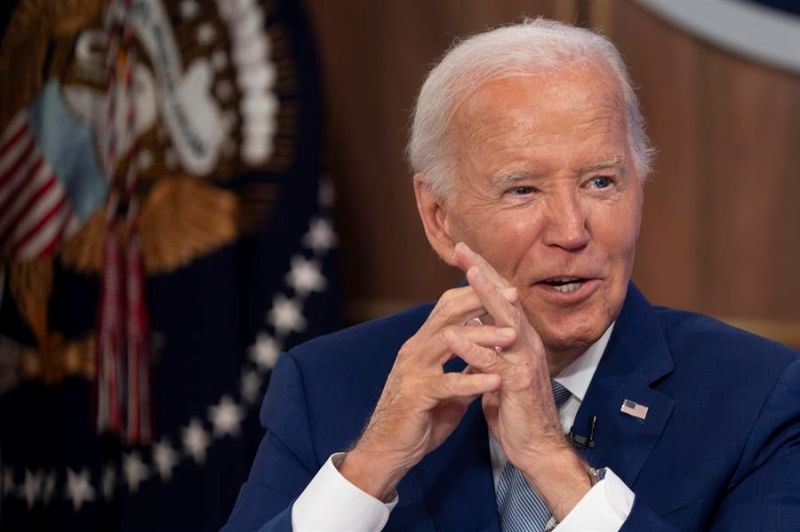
521	509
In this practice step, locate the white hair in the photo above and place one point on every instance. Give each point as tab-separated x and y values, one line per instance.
533	47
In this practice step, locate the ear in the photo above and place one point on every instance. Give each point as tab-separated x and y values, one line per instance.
435	220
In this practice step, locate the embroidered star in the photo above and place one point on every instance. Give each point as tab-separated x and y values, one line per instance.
79	489
31	487
264	353
165	459
189	9
49	487
320	236
206	33
109	481
135	471
285	315
250	386
305	276
195	441
226	417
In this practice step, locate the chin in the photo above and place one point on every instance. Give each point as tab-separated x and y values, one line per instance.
568	331
570	341
572	334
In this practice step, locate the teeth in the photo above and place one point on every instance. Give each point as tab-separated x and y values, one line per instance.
564	279
567	288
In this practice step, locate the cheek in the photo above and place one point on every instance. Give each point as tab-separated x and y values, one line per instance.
618	231
504	239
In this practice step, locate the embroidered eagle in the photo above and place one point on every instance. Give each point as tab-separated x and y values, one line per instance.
211	98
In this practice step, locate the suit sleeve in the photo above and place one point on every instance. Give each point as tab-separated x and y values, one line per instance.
764	492
285	462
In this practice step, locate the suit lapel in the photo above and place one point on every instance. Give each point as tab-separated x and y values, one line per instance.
457	478
637	356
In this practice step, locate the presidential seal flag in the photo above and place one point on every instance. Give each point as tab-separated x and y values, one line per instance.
166	231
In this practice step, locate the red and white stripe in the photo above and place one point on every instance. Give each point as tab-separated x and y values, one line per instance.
110	332
35	213
632	408
123	357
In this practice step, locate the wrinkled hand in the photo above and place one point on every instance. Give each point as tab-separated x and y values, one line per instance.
521	413
421	404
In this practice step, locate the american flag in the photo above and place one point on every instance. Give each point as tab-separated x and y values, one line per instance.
35	212
634	409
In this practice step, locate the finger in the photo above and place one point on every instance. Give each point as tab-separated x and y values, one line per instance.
461	305
467	258
427	350
480	358
457	384
503	312
456	307
490	404
486	335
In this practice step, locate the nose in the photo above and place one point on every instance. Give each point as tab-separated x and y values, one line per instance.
567	225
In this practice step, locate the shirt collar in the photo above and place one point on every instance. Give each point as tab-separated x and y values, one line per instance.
577	376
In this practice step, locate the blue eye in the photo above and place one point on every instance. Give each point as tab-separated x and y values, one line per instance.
601	181
522	191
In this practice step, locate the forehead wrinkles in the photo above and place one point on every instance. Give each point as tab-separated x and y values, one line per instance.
474	127
493	127
534	104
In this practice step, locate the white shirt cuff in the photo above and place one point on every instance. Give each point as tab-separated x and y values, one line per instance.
605	507
331	503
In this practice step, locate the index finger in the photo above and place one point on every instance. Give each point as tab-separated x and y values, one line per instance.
499	308
467	258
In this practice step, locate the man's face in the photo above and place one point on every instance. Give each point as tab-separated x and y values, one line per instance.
547	193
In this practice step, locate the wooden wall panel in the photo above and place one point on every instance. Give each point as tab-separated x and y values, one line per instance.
670	246
722	212
754	207
720	229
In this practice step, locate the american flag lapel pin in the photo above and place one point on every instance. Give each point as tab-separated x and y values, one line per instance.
632	408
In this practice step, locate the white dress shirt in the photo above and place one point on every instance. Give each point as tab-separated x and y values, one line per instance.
331	503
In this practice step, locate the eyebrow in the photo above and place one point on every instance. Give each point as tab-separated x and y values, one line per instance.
613	162
513	176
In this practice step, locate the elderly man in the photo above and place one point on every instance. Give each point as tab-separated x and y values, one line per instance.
546	392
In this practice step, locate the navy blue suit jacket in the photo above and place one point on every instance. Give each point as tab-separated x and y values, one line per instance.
719	448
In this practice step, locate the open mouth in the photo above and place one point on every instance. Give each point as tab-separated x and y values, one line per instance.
565	285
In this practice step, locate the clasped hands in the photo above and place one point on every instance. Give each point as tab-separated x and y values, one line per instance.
421	405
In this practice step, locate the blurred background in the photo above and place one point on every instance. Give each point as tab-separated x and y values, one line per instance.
187	187
721	214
